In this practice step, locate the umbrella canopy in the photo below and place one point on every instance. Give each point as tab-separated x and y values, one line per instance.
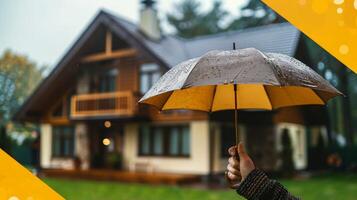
260	81
239	79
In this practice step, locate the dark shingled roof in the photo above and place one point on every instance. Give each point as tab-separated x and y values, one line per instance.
277	38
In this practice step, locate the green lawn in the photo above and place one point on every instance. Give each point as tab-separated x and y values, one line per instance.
324	187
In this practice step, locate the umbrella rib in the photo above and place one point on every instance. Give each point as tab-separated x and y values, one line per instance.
319	96
268	95
214	94
163	105
274	68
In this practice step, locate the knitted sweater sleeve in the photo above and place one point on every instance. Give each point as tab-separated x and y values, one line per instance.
257	186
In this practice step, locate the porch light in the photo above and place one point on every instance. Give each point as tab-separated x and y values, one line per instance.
107	124
106	141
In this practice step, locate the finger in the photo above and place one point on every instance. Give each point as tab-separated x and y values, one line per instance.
241	150
233	170
233	151
233	177
234	184
233	162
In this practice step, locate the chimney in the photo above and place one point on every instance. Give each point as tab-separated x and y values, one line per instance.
149	22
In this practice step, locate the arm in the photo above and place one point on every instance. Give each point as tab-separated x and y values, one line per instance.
250	182
258	186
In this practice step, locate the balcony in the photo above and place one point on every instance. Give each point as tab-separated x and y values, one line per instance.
123	103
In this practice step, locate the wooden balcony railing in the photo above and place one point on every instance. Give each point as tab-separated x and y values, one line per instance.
104	104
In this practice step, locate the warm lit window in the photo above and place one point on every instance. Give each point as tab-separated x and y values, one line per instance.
63	141
149	74
164	141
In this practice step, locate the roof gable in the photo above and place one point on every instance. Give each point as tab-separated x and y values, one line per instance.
63	74
169	51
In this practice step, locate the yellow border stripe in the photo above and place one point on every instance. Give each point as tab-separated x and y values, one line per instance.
330	23
17	183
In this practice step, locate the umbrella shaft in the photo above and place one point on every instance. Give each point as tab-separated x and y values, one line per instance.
236	114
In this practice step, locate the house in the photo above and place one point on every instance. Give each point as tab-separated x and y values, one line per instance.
89	117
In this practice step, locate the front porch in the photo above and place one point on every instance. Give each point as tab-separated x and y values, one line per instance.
122	176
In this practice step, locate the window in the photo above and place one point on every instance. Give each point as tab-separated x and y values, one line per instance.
149	74
164	141
227	139
107	81
63	141
104	82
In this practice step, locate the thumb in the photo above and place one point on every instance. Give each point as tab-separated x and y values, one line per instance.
241	150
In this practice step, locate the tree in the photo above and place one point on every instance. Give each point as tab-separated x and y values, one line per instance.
18	77
254	13
190	22
341	109
5	142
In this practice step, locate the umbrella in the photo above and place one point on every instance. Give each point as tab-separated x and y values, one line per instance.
239	79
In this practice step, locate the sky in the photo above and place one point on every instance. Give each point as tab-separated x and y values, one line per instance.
44	29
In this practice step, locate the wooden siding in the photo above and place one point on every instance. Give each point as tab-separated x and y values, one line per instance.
123	101
107	56
58	120
128	77
289	115
175	115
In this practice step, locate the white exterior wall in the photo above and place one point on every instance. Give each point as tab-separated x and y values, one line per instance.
81	145
197	163
46	145
46	160
297	135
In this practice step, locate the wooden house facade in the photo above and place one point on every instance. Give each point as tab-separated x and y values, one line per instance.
90	119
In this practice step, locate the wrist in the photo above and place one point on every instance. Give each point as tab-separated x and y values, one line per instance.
247	174
254	184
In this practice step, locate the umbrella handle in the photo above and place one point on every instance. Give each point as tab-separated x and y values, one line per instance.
236	115
236	119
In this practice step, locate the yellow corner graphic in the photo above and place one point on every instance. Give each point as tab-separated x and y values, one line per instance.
17	183
330	23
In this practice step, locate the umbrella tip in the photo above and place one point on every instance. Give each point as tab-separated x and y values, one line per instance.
234	46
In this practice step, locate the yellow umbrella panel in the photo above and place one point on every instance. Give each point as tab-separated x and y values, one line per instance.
213	98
